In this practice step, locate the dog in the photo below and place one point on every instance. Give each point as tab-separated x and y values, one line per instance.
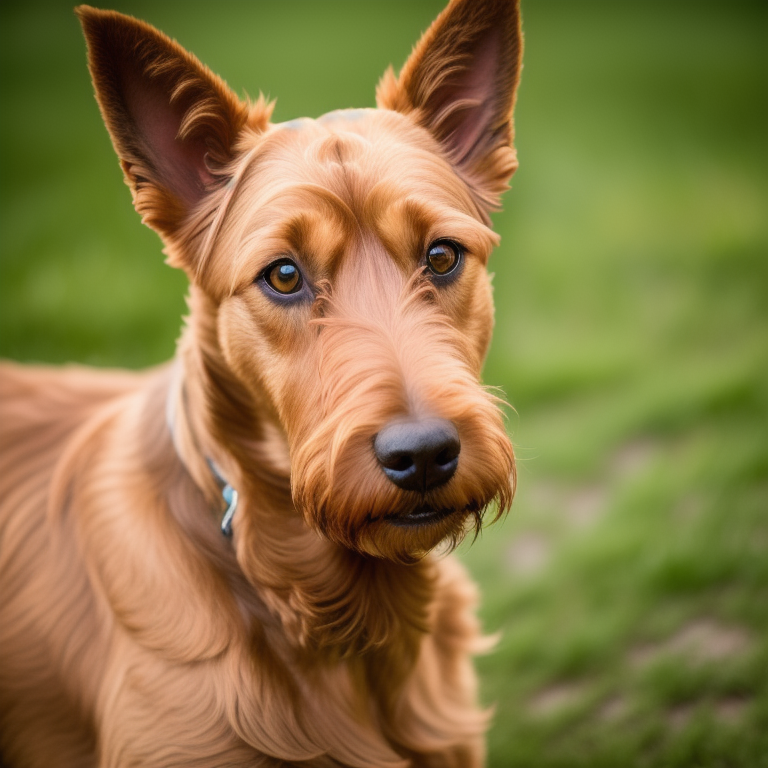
241	558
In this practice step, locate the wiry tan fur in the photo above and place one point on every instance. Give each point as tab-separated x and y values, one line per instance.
132	632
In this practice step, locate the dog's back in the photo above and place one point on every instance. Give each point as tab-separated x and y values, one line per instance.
47	612
41	411
40	406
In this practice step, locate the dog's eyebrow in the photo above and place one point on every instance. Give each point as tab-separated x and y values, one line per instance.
307	195
405	225
306	219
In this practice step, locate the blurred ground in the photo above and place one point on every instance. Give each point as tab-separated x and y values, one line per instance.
630	582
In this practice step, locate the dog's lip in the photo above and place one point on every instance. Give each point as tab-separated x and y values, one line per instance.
421	515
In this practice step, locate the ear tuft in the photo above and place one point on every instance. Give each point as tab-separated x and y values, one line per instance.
460	84
173	123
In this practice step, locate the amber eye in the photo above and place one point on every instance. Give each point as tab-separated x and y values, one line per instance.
443	256
283	276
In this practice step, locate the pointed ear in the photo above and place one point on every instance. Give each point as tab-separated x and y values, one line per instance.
173	123
460	84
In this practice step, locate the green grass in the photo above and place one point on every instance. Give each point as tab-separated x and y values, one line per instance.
630	581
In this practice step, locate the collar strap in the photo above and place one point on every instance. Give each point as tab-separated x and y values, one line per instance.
229	494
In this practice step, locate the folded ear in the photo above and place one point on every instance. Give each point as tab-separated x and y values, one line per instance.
173	123
460	84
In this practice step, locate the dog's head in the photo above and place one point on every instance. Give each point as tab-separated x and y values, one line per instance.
342	262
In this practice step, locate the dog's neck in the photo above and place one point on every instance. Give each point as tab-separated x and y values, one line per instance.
318	589
176	407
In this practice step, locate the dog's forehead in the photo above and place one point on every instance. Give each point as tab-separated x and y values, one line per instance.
351	174
368	158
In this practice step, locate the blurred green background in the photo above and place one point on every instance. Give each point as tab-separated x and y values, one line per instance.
630	582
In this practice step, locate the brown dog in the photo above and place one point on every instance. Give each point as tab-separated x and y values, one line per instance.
325	401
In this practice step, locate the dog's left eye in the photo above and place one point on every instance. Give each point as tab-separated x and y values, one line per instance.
283	276
443	257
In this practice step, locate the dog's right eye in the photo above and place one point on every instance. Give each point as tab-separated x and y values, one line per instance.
444	257
283	277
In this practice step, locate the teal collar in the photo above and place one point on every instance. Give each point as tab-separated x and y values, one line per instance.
229	494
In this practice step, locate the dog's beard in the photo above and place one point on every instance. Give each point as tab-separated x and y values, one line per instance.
368	379
352	502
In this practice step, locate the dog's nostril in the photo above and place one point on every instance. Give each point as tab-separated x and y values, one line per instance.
418	455
400	462
447	455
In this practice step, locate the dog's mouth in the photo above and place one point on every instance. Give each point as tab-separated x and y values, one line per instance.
421	516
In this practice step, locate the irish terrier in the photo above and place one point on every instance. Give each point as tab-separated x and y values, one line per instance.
225	561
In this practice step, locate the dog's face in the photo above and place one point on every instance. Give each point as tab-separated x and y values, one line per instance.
345	261
358	298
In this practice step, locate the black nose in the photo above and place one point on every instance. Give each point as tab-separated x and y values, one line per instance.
418	455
